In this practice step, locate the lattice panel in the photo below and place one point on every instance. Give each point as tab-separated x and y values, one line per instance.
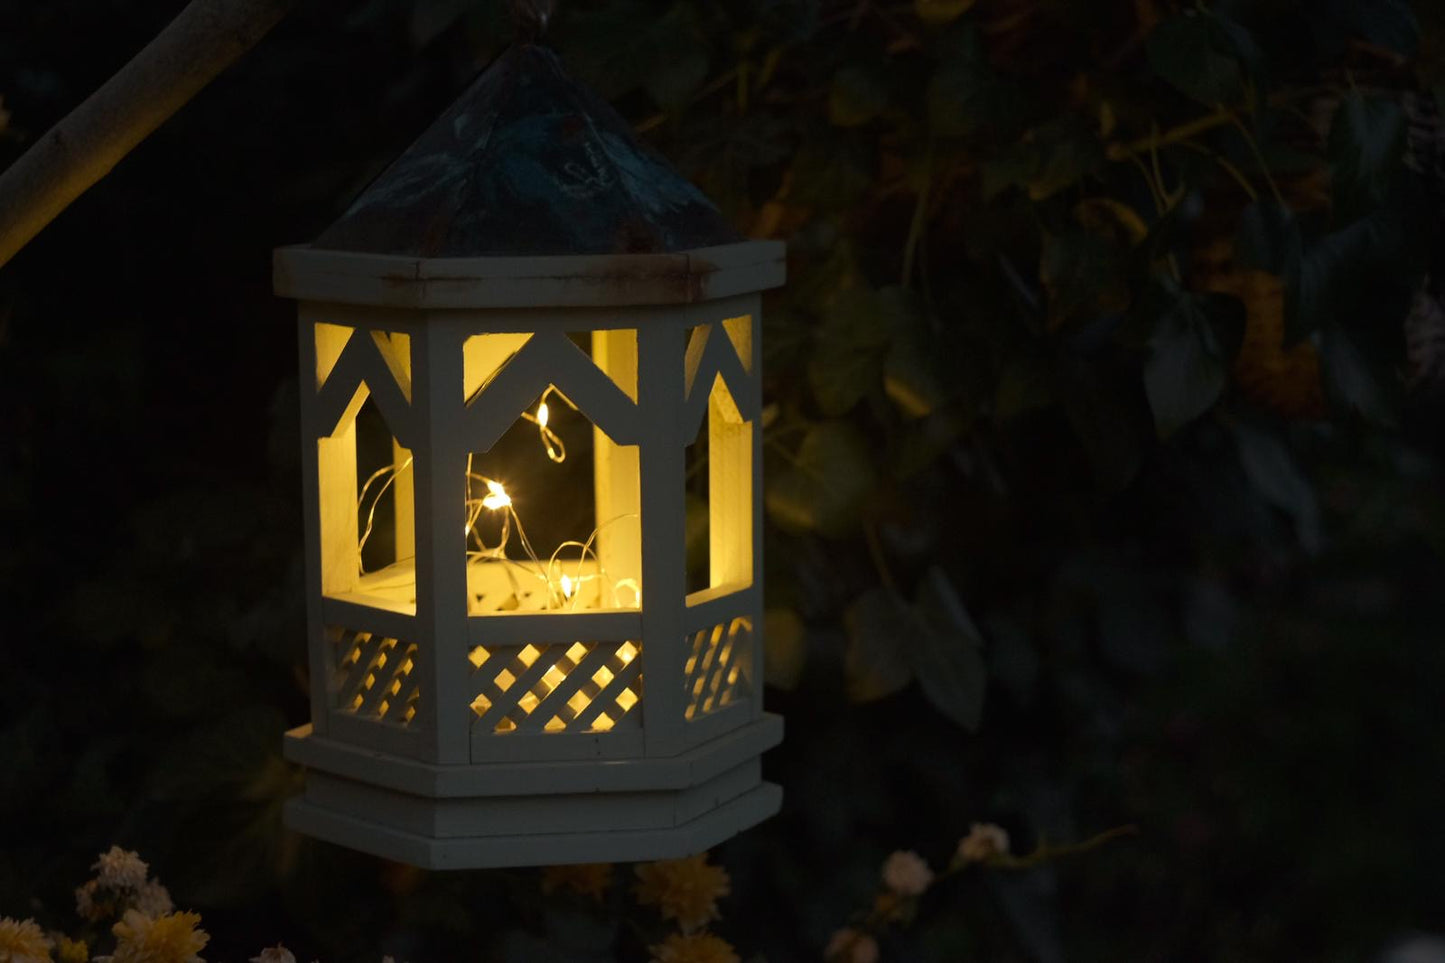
564	687
374	676
719	667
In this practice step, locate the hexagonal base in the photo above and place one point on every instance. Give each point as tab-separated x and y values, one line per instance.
532	814
540	849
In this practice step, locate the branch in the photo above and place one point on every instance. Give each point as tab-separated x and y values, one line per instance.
206	38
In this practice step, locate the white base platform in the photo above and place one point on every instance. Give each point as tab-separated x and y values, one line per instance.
541	849
533	814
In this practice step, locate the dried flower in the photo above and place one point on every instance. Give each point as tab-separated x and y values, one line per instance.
23	941
274	954
984	842
851	946
120	870
71	951
906	873
88	903
587	879
693	948
154	900
685	890
172	938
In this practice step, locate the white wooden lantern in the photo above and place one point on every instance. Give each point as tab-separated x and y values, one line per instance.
513	346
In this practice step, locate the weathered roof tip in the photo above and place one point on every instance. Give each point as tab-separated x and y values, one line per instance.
528	162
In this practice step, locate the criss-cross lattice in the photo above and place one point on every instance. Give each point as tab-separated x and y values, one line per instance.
718	671
373	677
562	687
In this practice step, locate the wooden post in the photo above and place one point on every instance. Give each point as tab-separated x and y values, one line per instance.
441	573
660	396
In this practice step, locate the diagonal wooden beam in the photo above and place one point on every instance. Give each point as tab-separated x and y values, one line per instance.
206	38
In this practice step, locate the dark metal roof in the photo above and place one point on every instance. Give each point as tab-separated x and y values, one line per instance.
528	162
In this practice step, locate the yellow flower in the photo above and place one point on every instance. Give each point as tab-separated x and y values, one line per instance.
693	948
72	951
984	842
587	879
22	941
172	938
685	890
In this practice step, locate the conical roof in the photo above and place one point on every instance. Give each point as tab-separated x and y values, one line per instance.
528	162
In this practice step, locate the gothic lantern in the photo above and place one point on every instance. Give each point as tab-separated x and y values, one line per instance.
529	357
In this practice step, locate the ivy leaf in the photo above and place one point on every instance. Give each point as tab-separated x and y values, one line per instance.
874	662
785	648
1272	472
1203	55
1269	239
1083	272
856	97
941	11
1386	23
1349	381
847	359
1367	140
1048	159
910	379
1186	372
832	475
945	651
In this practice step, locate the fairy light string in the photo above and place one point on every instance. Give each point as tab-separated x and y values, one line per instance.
565	589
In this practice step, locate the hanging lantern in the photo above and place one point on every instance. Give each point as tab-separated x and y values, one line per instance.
530	369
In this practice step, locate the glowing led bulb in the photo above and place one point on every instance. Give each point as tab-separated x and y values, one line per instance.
497	496
542	415
567	587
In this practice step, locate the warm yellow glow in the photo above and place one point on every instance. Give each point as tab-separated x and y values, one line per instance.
528	655
555	724
627	699
528	702
602	723
542	414
481	704
476	657
553	678
497	496
602	677
577	652
505	680
578	702
567	587
627	652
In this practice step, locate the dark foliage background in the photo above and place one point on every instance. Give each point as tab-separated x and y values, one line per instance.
1104	479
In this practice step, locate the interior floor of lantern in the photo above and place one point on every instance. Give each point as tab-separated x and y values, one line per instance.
494	585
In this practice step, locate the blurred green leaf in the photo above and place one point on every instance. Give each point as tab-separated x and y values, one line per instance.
1367	140
848	356
1186	372
1273	473
857	96
876	660
1349	381
941	11
785	648
1204	55
831	477
945	651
